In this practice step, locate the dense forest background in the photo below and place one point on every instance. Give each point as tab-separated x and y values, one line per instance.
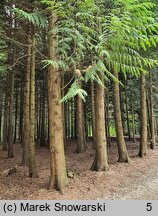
83	71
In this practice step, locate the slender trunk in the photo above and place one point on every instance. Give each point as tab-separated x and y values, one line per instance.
80	124
152	119
39	113
5	118
63	107
21	112
122	151
127	114
148	118
122	108
26	112
73	117
108	121
16	114
42	135
31	145
133	120
58	175
68	119
100	162
143	117
85	120
10	121
93	112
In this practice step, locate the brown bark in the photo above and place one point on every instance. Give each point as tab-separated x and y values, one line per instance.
21	112
143	117
42	131
107	120
122	151
26	112
58	175
152	119
133	120
93	112
100	162
5	118
31	145
16	113
127	114
63	107
81	144
10	121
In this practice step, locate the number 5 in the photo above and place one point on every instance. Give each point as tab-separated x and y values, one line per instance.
149	206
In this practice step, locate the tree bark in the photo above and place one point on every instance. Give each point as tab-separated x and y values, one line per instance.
31	145
122	151
5	118
16	114
58	175
21	111
107	120
42	134
143	117
152	119
10	121
100	162
133	119
127	114
93	112
26	112
81	144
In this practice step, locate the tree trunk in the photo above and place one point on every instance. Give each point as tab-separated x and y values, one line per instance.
21	112
42	131
122	108
31	145
5	118
100	162
143	117
127	114
108	120
26	112
58	175
133	120
10	121
81	144
16	114
148	118
93	112
122	151
63	107
152	119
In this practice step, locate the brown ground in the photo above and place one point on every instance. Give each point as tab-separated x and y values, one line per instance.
137	180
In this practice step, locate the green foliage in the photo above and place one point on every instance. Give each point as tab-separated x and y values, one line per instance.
59	65
3	51
109	35
73	91
112	131
36	18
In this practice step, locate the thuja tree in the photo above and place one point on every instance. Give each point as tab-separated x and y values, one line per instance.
3	68
127	32
32	20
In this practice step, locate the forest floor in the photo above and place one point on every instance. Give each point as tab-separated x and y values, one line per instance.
136	180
